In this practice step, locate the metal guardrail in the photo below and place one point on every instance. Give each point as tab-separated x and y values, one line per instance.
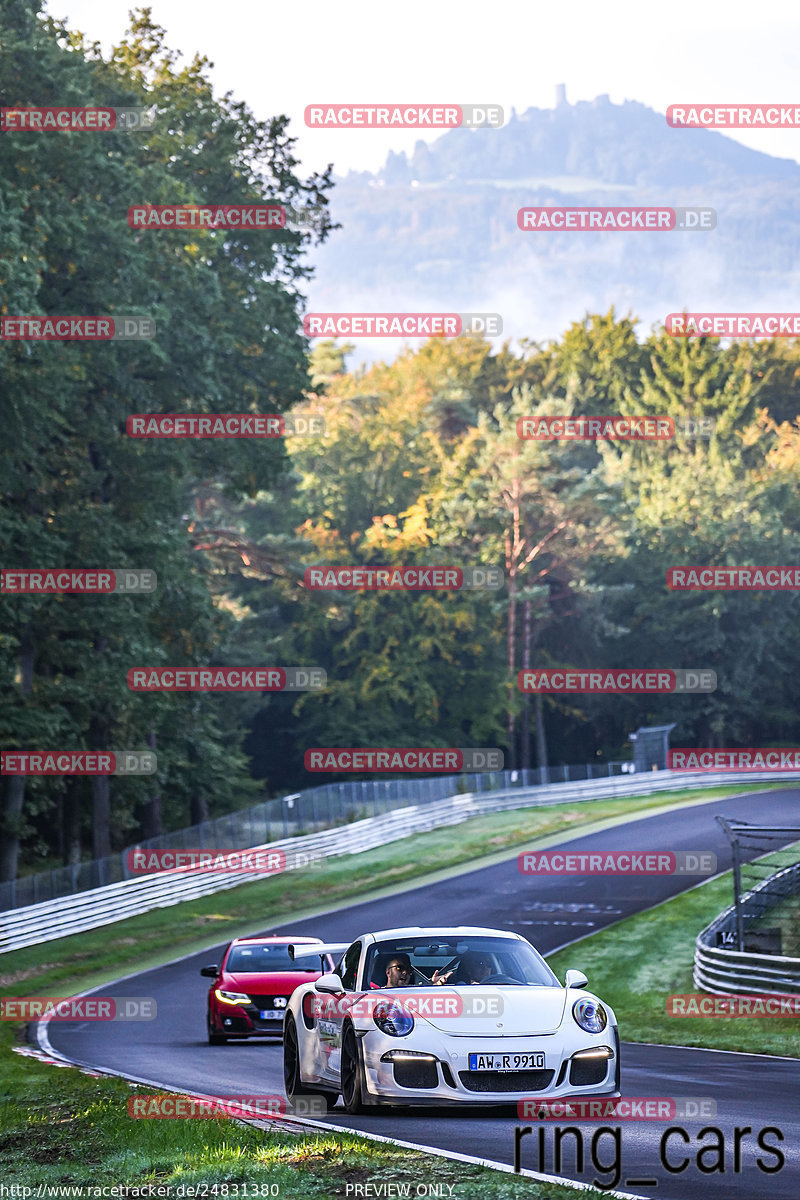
731	972
103	906
723	971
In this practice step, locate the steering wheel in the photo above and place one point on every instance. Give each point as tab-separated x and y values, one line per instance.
500	979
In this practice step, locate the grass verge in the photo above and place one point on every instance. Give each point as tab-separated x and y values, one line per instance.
66	1128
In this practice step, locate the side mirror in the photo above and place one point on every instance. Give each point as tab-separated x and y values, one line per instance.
330	984
575	979
210	972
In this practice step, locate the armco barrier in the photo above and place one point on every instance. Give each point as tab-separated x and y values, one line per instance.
103	906
723	971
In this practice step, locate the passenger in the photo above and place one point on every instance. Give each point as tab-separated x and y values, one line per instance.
398	971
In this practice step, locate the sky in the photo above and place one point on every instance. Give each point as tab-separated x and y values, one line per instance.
279	57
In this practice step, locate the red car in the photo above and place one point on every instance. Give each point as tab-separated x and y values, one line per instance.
252	986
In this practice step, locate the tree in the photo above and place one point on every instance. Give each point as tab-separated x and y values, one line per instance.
78	491
728	499
541	508
596	365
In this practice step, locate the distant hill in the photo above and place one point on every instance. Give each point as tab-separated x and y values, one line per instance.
438	230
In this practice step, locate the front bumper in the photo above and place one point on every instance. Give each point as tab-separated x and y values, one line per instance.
441	1074
244	1021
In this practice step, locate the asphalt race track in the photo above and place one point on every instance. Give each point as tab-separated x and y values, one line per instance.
749	1090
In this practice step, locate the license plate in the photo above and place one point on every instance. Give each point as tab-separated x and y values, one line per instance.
505	1062
271	1014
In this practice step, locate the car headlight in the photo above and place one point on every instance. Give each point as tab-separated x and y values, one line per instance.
391	1018
590	1015
231	997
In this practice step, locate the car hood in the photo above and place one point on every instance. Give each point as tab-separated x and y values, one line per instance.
502	1011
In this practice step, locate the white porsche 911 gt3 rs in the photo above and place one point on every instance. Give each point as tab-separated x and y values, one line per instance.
437	1016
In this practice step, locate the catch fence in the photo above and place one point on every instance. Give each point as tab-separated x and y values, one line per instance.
754	946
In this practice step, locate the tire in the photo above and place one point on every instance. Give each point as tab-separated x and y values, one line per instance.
214	1039
293	1084
353	1086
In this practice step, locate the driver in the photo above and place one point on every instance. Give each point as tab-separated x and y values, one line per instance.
474	967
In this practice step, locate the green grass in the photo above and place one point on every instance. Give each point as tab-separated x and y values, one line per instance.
638	962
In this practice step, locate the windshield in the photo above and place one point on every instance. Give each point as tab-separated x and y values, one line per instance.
270	957
504	961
